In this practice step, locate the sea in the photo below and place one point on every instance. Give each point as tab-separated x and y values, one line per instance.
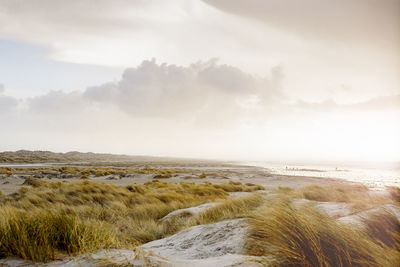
376	177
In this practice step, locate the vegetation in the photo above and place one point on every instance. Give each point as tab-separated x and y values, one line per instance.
26	156
44	220
357	196
394	193
6	170
98	159
230	209
92	172
334	193
50	219
302	236
306	237
384	229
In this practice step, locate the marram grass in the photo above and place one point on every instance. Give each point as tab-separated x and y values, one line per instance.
302	236
47	220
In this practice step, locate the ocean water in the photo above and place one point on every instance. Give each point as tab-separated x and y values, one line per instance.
374	177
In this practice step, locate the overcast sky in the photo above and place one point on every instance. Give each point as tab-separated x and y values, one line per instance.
253	80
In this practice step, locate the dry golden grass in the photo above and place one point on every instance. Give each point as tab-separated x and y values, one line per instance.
394	192
384	229
94	171
232	186
47	220
41	235
7	171
334	193
357	196
229	209
307	238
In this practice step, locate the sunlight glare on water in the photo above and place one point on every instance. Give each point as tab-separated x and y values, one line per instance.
374	178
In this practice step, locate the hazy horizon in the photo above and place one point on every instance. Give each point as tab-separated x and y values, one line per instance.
287	81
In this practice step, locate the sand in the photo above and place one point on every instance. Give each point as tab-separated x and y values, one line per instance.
244	174
217	244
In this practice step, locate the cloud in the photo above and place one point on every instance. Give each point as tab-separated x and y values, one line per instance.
205	109
57	102
369	21
335	42
7	103
121	33
201	89
380	103
206	93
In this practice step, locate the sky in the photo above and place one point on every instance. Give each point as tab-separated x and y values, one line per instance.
310	80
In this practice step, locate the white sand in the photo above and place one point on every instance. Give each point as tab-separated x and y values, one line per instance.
202	241
192	211
358	218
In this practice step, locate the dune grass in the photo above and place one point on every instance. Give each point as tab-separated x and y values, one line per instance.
85	172
357	196
49	219
306	237
229	209
384	229
334	193
43	235
394	193
302	236
7	171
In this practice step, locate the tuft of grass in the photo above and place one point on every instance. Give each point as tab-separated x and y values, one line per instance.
42	235
384	229
35	182
232	186
306	237
162	176
394	192
230	209
334	193
357	196
7	171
